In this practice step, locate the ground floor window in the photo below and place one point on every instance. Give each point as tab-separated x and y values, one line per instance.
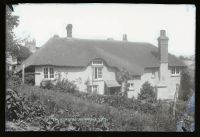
48	72
95	89
130	86
51	72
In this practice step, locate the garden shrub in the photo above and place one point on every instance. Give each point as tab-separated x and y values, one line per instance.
61	85
66	86
47	84
147	93
30	79
12	80
185	85
34	109
14	105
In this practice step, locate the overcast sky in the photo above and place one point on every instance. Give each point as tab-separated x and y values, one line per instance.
141	23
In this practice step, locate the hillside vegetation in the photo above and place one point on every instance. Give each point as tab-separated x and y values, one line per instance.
40	109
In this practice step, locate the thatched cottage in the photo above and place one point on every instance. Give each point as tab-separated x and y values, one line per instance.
97	62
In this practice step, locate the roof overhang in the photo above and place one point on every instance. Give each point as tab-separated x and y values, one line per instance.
112	83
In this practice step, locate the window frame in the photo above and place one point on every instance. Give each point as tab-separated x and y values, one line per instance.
97	89
97	64
175	71
51	72
45	70
98	74
48	73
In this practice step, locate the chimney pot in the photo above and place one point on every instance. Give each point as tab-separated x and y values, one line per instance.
69	30
124	37
162	33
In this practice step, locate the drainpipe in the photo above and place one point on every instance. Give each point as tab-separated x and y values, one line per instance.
92	79
23	66
175	99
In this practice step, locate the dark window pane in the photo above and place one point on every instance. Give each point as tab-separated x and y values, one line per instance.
95	73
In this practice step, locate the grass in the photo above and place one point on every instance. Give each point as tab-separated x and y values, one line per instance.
117	119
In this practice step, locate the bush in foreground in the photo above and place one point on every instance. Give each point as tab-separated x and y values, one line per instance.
147	93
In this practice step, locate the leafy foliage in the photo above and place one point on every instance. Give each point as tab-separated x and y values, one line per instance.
147	93
12	21
14	105
47	84
12	44
122	77
66	86
186	85
30	79
12	80
22	53
61	85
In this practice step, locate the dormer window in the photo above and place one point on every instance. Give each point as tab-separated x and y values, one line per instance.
97	69
97	62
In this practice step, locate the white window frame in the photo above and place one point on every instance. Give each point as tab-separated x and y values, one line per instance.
98	74
94	63
49	75
97	65
46	71
176	71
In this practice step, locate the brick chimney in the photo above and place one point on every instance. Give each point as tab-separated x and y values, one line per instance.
163	55
163	46
69	30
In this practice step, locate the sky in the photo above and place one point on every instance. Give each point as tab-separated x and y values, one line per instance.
141	23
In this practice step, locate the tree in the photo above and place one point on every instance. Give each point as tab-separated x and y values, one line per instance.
22	53
186	85
12	21
12	44
147	93
122	77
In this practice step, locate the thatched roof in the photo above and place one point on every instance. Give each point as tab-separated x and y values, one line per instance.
74	52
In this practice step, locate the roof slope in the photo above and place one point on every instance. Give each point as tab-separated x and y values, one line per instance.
79	52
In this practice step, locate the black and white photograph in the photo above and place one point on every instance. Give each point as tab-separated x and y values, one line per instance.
100	67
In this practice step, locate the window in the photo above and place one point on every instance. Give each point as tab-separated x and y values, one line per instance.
97	62
98	73
48	72
45	72
130	86
175	70
51	73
